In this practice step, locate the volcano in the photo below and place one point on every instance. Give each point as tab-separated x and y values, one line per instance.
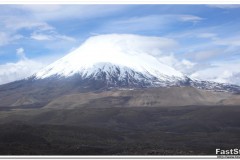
102	63
116	61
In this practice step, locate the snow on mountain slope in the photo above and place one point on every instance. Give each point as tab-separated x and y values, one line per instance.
121	55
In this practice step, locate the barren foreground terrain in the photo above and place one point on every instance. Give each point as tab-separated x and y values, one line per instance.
175	130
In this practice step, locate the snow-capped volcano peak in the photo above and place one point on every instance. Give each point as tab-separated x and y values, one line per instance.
113	54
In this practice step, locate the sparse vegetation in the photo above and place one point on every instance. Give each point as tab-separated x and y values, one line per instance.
97	130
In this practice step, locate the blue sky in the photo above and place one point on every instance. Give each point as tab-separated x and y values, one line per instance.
207	37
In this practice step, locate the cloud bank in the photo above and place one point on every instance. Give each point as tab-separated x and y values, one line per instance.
161	48
23	68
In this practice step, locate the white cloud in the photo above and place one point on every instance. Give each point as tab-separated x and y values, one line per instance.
225	6
183	65
152	45
51	36
168	60
20	53
223	72
6	38
16	71
150	22
59	12
66	38
21	69
228	41
17	23
205	54
40	8
189	18
41	37
134	24
12	24
207	35
212	44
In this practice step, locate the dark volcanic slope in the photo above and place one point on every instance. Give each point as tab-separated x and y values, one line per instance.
44	90
55	118
173	96
71	93
127	131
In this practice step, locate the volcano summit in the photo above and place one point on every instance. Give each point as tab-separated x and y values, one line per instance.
118	60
